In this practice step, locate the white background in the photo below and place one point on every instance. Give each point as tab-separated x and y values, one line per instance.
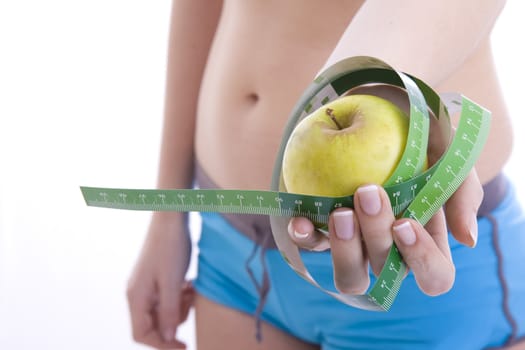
81	95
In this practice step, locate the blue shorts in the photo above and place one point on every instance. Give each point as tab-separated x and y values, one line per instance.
484	308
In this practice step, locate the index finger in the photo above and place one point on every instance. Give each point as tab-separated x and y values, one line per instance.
145	328
144	323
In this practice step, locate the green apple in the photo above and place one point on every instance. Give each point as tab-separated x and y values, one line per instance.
353	140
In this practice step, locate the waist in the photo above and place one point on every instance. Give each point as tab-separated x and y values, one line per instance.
257	227
493	193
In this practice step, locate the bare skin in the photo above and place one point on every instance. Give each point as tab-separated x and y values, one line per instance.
241	93
247	107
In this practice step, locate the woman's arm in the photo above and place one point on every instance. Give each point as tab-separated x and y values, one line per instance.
158	297
193	24
428	39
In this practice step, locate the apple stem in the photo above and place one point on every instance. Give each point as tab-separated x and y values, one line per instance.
330	113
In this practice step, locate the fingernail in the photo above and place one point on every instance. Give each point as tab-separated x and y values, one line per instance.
296	234
473	230
344	224
169	335
369	199
405	233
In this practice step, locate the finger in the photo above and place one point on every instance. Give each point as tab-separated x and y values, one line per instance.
139	305
348	256
155	340
437	229
375	218
187	300
303	234
169	311
461	210
143	319
433	270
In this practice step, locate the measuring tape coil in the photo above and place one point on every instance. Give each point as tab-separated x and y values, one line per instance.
413	191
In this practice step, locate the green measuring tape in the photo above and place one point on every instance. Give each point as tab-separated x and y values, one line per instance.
413	191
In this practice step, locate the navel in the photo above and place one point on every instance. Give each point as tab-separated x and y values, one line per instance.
252	98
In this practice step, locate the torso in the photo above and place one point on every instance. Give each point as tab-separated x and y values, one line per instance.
265	67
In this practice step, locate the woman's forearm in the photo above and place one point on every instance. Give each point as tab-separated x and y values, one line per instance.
192	27
428	39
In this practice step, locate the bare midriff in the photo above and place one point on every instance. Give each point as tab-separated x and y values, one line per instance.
257	71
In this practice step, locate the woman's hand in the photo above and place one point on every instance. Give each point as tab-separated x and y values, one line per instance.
158	296
363	235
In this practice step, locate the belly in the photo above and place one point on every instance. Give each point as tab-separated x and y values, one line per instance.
256	72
